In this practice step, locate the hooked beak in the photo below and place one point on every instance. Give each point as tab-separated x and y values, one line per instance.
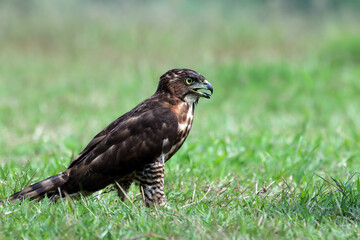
203	86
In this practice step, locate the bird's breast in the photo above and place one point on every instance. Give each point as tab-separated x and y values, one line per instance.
185	116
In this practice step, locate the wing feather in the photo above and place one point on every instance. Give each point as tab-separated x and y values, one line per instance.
127	147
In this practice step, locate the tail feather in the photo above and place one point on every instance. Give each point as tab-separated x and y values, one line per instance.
40	189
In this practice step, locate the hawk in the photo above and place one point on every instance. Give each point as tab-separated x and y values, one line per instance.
134	147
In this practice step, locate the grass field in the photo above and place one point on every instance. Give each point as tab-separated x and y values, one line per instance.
274	154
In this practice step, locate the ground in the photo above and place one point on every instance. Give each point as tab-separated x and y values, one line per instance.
273	154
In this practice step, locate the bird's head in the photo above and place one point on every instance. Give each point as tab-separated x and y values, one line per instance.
185	84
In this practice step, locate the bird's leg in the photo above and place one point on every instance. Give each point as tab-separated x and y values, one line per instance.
122	188
151	183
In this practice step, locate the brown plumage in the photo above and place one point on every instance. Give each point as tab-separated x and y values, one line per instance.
133	148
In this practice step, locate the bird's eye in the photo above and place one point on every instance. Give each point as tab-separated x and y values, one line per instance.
189	81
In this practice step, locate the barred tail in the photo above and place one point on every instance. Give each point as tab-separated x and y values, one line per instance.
49	186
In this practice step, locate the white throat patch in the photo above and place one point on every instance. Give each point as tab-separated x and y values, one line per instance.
191	99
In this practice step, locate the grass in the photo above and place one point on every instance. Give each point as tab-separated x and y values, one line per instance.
273	154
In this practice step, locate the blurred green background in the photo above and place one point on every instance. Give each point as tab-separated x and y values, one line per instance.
280	70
